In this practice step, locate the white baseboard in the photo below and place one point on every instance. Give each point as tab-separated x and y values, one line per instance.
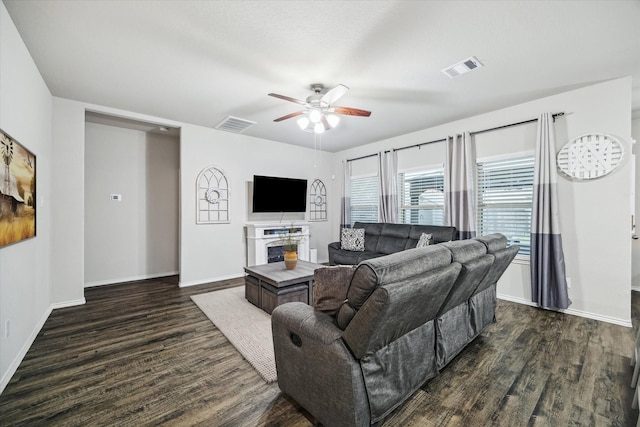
129	279
580	313
212	279
13	367
66	304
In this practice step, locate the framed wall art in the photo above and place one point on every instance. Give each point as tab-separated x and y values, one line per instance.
17	191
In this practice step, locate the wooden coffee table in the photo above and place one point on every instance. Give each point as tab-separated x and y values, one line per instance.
269	285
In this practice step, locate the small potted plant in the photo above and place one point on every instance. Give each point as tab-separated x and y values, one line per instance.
289	244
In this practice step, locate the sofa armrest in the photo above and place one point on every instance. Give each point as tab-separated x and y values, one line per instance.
315	367
302	320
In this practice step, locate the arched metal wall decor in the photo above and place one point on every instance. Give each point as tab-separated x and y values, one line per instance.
318	201
212	197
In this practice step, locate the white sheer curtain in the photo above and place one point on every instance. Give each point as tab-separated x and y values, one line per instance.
459	181
345	200
548	278
387	180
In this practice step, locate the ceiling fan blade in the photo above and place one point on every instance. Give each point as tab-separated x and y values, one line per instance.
334	94
287	98
325	123
351	111
288	116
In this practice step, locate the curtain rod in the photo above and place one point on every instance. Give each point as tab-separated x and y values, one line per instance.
554	115
398	149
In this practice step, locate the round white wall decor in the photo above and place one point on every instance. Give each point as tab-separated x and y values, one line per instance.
590	156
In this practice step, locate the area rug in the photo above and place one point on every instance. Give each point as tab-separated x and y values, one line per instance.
246	326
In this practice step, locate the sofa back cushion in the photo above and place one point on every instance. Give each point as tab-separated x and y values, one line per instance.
372	231
438	233
397	308
393	238
388	269
475	265
496	245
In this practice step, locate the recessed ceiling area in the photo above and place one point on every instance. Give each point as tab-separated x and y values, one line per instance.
199	62
123	122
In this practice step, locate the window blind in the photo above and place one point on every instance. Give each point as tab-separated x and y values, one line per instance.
421	197
505	192
364	199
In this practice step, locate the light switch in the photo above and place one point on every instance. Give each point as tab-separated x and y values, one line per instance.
116	197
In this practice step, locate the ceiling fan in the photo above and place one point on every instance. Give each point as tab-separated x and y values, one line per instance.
319	113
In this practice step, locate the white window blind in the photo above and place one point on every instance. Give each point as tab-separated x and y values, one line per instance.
364	199
505	192
421	197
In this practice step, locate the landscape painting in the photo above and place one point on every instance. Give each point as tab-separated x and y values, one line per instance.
17	191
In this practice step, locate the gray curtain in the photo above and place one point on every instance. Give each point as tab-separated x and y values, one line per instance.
387	184
345	201
548	278
459	181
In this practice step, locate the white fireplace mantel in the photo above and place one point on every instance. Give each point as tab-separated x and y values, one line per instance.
261	236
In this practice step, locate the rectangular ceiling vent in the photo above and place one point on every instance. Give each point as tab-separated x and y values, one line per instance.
234	124
462	67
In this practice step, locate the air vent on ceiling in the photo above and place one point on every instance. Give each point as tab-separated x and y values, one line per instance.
234	124
462	67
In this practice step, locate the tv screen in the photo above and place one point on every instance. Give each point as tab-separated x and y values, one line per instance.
273	194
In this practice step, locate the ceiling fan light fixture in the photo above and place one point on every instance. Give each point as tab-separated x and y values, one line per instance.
303	122
333	120
318	128
315	116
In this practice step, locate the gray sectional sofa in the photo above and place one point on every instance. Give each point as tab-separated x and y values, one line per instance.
396	321
384	238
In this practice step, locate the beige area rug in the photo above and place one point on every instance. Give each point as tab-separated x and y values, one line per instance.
246	326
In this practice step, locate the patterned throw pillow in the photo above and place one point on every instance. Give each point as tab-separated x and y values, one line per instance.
352	239
425	240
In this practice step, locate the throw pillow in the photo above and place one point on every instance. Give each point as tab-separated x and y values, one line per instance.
330	287
425	240
352	239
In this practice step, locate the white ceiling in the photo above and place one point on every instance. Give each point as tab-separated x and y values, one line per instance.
201	61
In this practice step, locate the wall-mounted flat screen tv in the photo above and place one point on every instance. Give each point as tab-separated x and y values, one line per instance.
275	194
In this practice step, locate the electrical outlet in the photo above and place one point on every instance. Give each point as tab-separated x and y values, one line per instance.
6	328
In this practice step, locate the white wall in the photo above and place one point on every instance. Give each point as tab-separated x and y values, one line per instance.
218	251
635	244
135	238
594	214
25	114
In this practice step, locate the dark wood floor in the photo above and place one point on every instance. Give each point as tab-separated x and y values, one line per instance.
143	354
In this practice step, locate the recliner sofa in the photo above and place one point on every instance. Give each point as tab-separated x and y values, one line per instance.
385	238
405	317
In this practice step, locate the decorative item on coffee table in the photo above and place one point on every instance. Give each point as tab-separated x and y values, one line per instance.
289	244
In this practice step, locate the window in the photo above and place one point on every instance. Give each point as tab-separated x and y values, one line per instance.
505	192
421	197
364	199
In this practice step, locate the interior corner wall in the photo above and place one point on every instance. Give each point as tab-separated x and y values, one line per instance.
218	251
136	237
635	243
599	268
25	114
